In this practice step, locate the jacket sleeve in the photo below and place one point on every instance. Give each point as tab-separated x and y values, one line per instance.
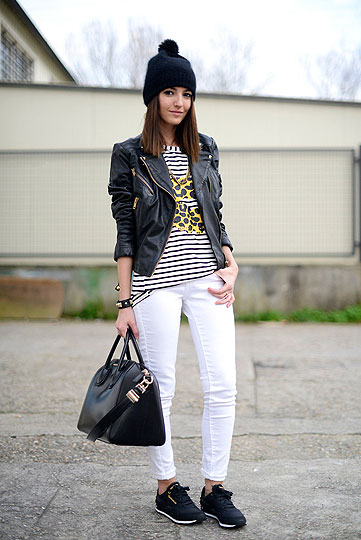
225	240
120	187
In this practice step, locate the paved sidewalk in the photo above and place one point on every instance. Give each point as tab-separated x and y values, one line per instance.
295	466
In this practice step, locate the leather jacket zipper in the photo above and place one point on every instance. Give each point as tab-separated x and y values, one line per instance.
142	179
152	177
135	202
175	207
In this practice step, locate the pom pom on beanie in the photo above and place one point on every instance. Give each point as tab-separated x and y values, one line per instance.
169	46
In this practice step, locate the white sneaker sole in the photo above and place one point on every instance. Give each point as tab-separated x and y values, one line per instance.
220	523
177	520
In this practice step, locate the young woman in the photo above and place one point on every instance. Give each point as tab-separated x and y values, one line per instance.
173	254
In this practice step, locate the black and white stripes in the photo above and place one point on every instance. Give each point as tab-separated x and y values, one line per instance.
188	253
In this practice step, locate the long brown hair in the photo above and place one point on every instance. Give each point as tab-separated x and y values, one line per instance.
186	132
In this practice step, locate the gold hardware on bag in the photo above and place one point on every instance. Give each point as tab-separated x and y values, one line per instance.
142	385
132	396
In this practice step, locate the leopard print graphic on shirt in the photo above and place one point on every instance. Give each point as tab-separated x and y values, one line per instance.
187	216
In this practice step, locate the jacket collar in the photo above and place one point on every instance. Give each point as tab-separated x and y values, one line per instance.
160	175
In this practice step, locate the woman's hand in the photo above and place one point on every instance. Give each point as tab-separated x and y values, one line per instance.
126	320
225	293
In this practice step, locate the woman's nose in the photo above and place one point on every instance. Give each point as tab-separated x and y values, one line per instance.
178	101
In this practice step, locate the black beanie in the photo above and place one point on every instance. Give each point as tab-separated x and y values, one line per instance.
167	69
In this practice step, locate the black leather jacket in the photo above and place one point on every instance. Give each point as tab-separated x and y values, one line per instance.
143	203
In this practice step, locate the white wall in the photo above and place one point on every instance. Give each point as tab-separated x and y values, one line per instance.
61	117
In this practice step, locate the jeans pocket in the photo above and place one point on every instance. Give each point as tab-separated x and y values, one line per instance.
217	278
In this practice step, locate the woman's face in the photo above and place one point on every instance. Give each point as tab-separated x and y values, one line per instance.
174	103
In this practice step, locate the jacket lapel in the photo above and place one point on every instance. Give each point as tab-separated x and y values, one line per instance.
158	171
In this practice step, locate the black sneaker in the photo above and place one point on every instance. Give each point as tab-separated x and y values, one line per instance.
176	504
219	506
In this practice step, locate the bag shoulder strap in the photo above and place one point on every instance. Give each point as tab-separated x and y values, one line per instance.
112	415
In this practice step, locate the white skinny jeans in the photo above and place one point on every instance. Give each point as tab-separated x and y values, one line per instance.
213	332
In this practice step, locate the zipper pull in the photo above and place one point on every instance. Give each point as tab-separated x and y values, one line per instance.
135	203
133	171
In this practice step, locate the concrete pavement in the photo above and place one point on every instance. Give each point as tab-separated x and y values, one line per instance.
295	461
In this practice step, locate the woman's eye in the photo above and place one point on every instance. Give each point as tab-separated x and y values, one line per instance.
187	95
168	92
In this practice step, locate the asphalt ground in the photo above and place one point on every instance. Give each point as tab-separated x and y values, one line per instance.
295	459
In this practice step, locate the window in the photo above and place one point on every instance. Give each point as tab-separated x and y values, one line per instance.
15	63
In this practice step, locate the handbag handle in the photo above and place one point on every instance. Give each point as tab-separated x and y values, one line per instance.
125	352
128	336
136	348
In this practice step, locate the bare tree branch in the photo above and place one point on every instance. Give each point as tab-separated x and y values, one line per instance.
143	41
97	58
78	69
336	75
230	72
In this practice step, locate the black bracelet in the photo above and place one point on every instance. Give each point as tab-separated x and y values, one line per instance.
122	304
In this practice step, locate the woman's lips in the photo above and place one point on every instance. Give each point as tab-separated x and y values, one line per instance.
176	112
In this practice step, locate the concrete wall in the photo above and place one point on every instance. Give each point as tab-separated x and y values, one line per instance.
258	287
74	117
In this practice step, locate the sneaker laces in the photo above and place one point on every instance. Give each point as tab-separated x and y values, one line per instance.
223	497
179	493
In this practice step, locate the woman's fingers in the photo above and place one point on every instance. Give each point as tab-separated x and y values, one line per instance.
134	328
228	299
222	291
122	330
225	298
225	294
126	320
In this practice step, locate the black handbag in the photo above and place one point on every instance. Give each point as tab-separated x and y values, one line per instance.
122	405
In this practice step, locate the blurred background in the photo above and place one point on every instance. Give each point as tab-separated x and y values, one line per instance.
279	88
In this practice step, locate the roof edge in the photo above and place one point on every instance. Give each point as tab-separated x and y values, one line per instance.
210	95
16	7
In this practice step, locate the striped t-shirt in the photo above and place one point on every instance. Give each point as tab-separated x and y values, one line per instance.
188	253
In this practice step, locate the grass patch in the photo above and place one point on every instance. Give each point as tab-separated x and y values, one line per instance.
93	310
350	314
347	315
